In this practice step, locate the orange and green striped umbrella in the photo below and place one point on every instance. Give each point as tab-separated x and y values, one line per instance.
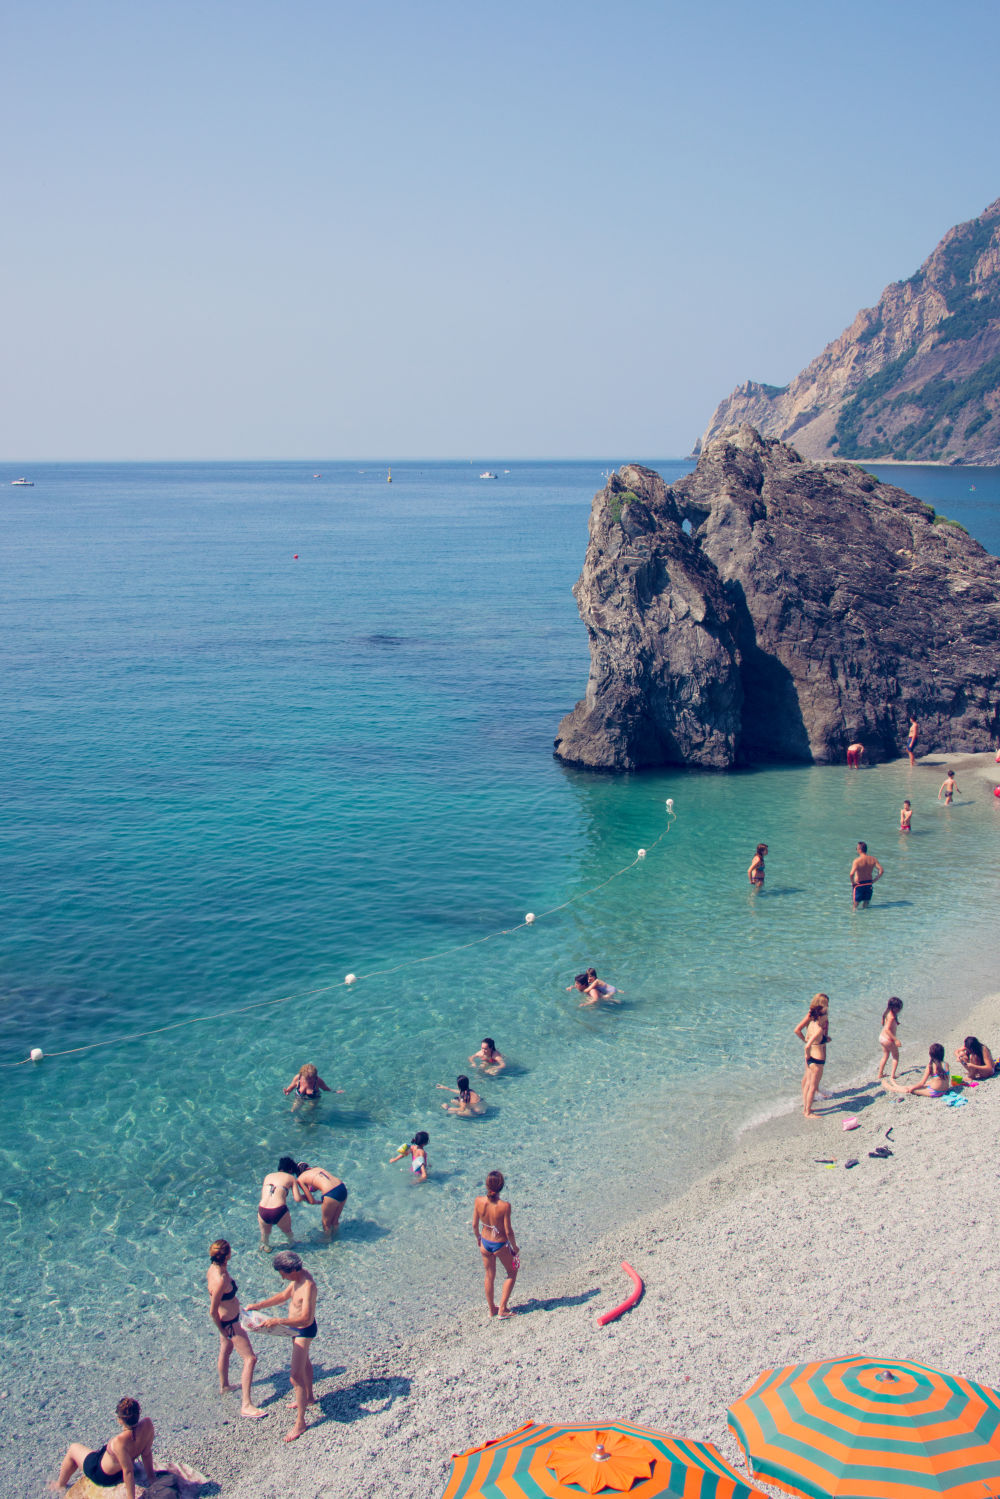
857	1428
565	1462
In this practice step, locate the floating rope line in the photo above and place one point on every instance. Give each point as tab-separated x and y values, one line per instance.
355	978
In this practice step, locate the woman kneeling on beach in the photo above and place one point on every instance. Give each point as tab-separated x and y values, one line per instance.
224	1310
495	1237
114	1463
975	1059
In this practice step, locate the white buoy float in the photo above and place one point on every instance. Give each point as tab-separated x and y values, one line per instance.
350	978
529	918
670	804
641	854
36	1053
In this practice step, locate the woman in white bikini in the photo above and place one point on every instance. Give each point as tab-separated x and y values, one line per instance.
887	1040
493	1233
224	1310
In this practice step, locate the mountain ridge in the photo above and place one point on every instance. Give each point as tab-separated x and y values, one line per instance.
914	378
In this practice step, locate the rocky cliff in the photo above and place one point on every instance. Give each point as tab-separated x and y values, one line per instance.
767	608
915	377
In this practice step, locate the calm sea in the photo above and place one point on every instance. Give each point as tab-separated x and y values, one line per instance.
268	724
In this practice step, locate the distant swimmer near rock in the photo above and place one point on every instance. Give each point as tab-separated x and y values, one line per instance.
911	739
855	754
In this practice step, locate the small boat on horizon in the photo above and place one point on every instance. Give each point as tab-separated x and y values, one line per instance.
25	483
488	474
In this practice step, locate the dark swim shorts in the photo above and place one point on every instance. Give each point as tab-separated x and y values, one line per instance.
862	894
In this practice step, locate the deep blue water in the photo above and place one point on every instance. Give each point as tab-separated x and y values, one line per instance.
261	730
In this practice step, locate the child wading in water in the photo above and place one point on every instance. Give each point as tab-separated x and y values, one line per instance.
887	1040
417	1151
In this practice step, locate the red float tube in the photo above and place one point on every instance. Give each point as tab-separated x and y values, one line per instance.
630	1300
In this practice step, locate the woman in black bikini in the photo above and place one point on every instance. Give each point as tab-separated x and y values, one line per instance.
224	1310
495	1237
273	1208
308	1086
114	1463
815	1039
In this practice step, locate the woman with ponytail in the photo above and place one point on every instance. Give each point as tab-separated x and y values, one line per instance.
493	1233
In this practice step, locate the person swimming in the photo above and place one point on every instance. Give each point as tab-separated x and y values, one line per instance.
417	1151
594	988
488	1058
468	1102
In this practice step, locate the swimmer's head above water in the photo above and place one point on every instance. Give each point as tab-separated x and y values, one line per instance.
420	1138
287	1165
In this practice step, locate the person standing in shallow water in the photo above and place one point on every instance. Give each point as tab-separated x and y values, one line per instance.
855	754
224	1310
273	1206
863	875
114	1463
492	1230
755	874
905	817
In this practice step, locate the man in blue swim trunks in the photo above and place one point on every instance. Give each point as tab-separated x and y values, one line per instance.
863	875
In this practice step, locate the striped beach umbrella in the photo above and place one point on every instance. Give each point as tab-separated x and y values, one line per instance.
566	1462
857	1428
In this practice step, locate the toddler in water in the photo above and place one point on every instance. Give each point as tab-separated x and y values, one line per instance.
417	1151
887	1040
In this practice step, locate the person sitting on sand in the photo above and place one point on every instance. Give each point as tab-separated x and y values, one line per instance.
887	1039
299	1325
308	1086
488	1058
224	1310
855	754
417	1151
976	1059
332	1194
594	988
491	1228
905	817
273	1207
755	874
935	1082
468	1102
948	787
114	1463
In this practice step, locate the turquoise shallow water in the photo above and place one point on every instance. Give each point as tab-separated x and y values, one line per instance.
234	777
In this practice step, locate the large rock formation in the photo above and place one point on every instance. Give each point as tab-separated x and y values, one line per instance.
916	377
766	608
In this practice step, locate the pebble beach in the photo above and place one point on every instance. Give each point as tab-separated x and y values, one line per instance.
772	1259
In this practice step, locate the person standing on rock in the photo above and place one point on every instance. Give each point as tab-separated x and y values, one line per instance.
863	875
855	753
911	739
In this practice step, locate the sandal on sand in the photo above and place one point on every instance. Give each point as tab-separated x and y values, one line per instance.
849	1164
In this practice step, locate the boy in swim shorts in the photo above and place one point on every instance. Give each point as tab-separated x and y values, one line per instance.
300	1325
905	814
948	787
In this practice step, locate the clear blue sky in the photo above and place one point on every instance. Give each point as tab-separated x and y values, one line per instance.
424	228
